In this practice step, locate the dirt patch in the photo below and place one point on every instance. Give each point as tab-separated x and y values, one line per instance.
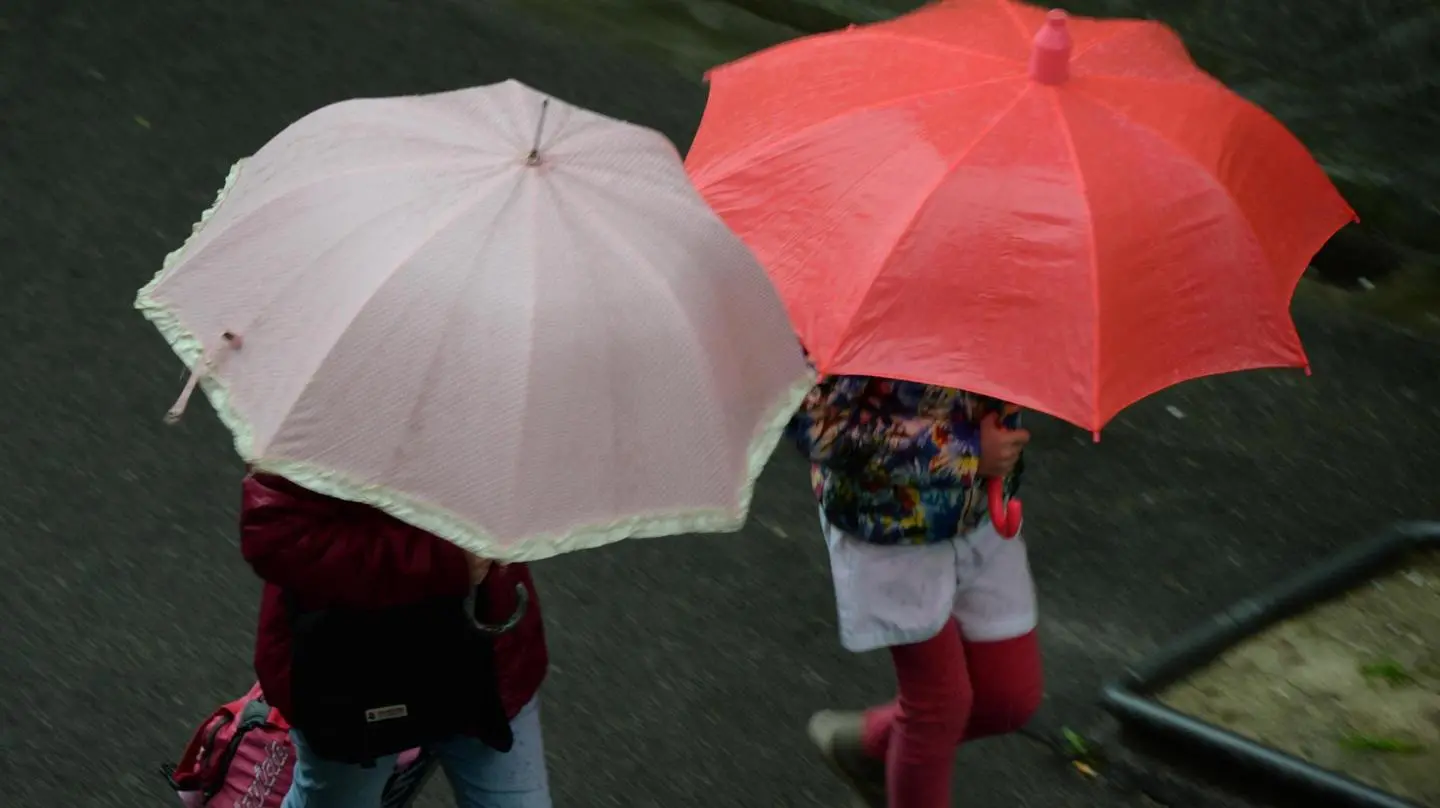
1352	685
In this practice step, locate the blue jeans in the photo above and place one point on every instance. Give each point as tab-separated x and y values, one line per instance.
480	776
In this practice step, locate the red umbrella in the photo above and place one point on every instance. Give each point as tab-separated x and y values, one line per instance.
1069	220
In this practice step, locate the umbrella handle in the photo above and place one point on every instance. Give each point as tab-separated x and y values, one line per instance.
1005	514
522	605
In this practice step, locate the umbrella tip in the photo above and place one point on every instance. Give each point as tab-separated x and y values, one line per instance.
533	158
1050	51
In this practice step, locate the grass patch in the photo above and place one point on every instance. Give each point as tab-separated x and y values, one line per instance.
1359	742
1388	671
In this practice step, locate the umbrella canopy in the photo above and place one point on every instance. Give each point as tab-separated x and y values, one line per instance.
501	318
1066	214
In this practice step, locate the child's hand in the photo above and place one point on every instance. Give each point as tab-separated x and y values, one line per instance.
999	447
479	568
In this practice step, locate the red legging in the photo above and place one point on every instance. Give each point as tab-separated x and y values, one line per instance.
950	691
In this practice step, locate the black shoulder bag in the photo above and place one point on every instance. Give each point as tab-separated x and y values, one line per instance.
367	683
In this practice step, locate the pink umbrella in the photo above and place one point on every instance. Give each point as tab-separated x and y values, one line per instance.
503	319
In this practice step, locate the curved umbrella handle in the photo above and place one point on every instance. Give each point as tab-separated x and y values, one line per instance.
1005	514
522	605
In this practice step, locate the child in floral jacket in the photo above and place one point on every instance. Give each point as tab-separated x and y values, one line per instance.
899	471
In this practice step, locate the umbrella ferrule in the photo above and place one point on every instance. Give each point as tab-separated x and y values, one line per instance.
1050	51
533	158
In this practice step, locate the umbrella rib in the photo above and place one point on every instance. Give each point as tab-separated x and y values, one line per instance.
832	224
451	218
426	117
625	247
681	198
262	311
1090	247
935	44
290	192
924	200
1212	180
1120	29
1089	46
590	136
1209	177
621	245
527	394
1020	28
1207	81
742	159
432	366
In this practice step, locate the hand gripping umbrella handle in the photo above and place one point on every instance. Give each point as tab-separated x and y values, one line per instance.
1005	514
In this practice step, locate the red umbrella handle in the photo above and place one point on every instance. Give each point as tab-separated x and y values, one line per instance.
1006	515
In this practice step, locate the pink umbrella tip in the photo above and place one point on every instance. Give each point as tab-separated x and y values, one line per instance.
1050	51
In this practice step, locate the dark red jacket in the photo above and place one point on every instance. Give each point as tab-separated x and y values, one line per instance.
329	552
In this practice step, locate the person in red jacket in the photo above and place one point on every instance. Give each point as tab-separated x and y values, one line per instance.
344	554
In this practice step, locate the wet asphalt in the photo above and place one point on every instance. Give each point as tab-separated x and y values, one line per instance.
684	668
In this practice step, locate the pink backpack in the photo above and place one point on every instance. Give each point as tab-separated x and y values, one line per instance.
241	757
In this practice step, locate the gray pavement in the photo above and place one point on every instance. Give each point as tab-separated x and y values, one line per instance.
683	668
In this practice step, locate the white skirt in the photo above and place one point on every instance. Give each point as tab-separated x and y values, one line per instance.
902	594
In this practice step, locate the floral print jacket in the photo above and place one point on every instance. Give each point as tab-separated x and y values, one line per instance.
896	462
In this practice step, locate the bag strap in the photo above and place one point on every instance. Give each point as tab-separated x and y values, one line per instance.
203	737
255	715
248	711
